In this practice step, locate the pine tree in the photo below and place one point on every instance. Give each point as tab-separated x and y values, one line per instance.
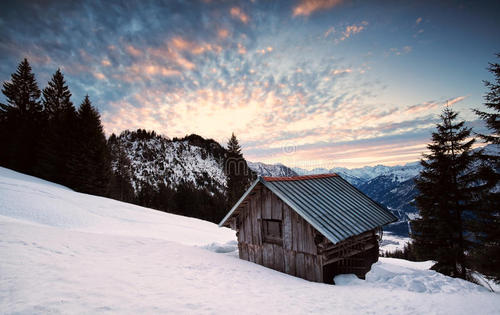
91	167
237	171
233	146
444	199
492	119
59	139
21	120
121	180
486	256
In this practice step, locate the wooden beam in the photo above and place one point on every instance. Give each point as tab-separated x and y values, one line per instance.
348	254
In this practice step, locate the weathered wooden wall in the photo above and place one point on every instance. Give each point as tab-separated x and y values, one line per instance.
297	255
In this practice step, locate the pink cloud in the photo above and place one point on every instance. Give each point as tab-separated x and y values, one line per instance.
133	51
239	14
352	30
307	7
99	75
433	104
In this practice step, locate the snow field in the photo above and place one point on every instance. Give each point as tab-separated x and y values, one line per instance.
65	252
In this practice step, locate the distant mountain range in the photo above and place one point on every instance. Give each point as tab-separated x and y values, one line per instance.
188	174
391	186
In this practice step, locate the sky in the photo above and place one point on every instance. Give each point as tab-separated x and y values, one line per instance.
308	83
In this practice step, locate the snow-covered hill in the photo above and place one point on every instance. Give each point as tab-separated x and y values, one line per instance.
66	252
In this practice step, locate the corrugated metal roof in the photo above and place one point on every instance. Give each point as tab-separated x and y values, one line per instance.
328	202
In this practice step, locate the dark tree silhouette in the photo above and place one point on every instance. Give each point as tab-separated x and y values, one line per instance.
487	228
237	171
59	139
21	121
444	198
91	166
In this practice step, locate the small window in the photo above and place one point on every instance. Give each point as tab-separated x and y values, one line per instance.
272	231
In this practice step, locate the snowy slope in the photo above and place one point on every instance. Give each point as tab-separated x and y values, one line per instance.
66	252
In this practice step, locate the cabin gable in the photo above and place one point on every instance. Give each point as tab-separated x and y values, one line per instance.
295	252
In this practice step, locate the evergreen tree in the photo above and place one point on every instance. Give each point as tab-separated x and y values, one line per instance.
487	195
21	120
233	146
444	199
492	119
121	179
91	166
237	171
59	139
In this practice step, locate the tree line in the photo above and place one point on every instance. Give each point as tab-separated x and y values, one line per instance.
43	134
459	195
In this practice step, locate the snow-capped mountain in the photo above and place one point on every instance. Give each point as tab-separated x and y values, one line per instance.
155	159
392	186
278	170
401	172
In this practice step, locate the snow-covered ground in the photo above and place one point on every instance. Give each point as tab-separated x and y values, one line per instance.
391	242
65	252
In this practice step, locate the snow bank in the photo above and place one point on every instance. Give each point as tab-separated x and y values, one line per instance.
64	252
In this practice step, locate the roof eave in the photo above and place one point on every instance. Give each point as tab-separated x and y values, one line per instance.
237	204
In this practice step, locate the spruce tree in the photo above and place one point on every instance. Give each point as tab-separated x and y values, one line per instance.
237	172
444	199
59	139
486	255
21	120
121	180
91	167
492	98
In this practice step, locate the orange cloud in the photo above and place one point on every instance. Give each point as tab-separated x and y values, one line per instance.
223	33
180	44
329	31
353	29
455	100
99	75
307	7
133	51
341	71
241	49
239	14
105	62
431	105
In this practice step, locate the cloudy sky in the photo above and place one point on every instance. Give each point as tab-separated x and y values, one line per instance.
309	83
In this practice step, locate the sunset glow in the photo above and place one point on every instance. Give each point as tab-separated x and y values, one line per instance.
309	83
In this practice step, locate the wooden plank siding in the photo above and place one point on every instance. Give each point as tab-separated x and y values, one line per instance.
297	255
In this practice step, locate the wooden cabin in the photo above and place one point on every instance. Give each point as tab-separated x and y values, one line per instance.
313	227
